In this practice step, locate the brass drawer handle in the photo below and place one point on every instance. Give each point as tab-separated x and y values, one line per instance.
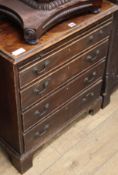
42	132
91	38
101	32
89	95
90	79
38	71
92	58
41	89
41	113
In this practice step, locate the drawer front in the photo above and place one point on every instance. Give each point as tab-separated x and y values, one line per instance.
41	110
41	88
43	66
46	130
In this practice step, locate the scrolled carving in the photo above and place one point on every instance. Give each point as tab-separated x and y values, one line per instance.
45	4
36	22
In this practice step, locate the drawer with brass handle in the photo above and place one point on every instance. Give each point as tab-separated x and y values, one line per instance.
37	70
90	78
89	95
66	53
42	132
54	123
39	111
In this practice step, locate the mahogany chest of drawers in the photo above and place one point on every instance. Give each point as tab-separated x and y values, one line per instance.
45	87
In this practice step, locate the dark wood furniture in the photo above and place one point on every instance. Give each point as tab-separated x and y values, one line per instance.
37	16
111	81
43	88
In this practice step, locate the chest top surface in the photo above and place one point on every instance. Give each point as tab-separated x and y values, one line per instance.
13	47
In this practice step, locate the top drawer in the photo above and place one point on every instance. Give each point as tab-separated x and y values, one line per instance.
42	67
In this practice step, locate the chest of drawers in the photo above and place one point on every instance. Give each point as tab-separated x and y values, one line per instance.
46	87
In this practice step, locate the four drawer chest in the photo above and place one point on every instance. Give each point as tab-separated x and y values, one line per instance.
45	87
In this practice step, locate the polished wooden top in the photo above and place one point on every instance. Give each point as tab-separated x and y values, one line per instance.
11	38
